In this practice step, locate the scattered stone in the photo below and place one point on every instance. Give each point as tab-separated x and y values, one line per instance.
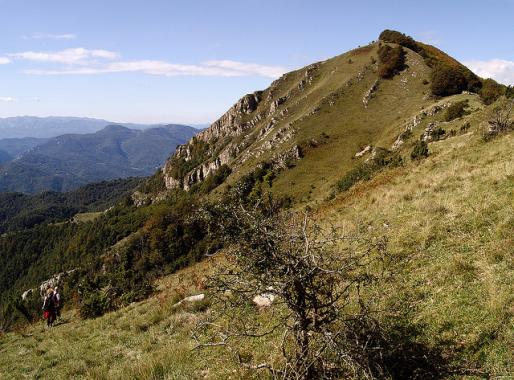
416	120
433	133
195	298
264	300
370	93
314	111
54	281
276	104
287	159
282	135
26	294
365	150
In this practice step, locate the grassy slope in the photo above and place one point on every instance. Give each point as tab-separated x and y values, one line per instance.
146	340
450	217
344	79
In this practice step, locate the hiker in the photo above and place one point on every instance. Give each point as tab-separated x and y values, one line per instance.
57	303
49	307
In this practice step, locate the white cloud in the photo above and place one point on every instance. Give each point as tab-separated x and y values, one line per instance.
4	60
7	99
50	36
67	56
152	67
499	69
80	61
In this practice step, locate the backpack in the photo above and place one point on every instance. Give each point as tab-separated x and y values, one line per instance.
49	303
56	298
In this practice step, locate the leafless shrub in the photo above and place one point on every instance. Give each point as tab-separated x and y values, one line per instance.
500	120
316	277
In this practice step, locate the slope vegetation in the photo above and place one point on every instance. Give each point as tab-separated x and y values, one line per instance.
455	280
362	148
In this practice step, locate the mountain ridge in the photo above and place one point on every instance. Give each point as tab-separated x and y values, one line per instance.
290	119
52	126
68	161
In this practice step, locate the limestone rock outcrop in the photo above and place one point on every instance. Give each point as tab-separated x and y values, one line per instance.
218	137
416	120
225	142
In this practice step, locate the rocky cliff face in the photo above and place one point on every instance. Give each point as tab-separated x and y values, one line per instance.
253	119
260	120
229	126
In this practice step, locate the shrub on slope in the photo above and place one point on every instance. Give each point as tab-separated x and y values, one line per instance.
391	61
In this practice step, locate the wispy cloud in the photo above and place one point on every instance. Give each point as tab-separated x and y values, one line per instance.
499	69
4	60
211	68
50	36
7	99
67	56
81	61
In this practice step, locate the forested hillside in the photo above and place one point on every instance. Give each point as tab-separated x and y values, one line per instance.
21	211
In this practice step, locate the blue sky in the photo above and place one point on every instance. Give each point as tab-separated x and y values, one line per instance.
188	61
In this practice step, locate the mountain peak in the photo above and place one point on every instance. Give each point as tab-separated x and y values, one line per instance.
115	129
363	97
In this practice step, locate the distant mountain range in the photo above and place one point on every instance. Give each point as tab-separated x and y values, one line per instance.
52	126
68	161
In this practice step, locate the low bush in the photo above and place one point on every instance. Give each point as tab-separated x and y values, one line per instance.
509	92
464	128
437	134
456	110
420	150
93	305
500	120
405	135
491	91
365	171
447	80
117	287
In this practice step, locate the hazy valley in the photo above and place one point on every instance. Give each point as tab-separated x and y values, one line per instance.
68	161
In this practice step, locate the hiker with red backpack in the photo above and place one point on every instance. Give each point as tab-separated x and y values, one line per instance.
49	307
